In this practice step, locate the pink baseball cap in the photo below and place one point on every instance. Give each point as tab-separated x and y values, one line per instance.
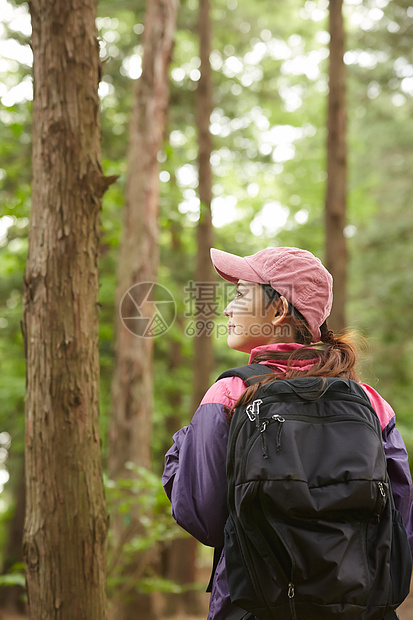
296	274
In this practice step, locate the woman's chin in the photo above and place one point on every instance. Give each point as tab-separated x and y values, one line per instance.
237	343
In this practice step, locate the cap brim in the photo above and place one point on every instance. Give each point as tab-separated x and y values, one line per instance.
233	268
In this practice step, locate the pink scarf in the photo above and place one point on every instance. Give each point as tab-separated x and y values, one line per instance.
282	364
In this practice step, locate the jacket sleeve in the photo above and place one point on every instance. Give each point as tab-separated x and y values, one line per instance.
195	474
397	459
399	474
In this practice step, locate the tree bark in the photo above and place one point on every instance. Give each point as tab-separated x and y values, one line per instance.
130	429
204	276
132	386
179	557
336	195
66	520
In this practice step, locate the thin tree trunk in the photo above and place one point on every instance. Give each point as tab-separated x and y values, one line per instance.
180	556
204	277
335	206
66	520
132	385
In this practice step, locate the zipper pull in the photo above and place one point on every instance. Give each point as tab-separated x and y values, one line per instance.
291	590
263	426
281	421
253	410
380	502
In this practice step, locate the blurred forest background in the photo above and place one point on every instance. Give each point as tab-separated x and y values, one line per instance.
269	71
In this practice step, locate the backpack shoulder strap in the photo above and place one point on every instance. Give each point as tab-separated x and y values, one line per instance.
250	374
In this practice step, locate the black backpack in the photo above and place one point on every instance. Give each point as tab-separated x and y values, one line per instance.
312	533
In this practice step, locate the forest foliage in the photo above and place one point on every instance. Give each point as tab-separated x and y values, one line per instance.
269	63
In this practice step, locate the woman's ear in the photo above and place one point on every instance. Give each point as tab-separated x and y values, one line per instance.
281	311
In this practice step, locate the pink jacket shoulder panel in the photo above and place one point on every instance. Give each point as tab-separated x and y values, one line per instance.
225	392
384	412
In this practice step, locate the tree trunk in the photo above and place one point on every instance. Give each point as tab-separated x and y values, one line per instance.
66	520
335	206
204	278
132	386
179	558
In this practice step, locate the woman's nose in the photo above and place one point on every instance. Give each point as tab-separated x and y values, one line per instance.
228	310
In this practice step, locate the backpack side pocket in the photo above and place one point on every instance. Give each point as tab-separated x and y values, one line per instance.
400	561
239	579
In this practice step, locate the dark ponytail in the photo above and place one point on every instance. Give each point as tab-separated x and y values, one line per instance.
334	356
327	335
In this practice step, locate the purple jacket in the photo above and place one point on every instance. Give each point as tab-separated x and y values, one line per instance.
195	473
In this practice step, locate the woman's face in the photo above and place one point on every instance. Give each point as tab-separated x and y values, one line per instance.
253	320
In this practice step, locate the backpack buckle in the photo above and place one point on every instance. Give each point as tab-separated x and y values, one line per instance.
253	410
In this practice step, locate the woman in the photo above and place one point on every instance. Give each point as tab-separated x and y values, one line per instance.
278	317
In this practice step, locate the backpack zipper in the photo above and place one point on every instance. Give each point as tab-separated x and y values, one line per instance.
380	502
291	594
253	412
280	421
